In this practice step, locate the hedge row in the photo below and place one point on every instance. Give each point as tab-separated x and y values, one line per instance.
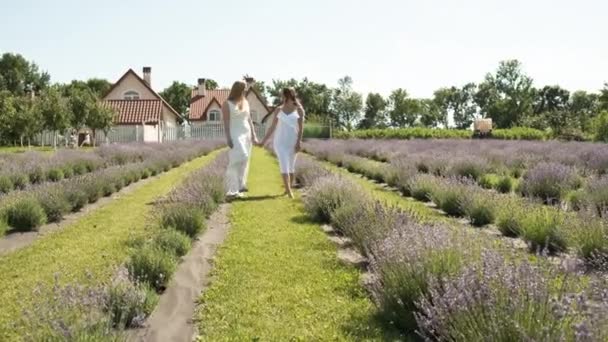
517	133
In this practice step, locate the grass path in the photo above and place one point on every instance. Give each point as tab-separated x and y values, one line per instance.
96	243
277	277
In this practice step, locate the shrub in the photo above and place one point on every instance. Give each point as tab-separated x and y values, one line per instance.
597	195
307	171
68	171
152	265
504	185
549	181
6	185
25	214
93	190
488	181
479	208
37	175
54	203
450	197
590	236
405	263
422	186
500	300
128	302
174	242
145	173
469	168
406	133
542	230
108	188
328	194
54	174
519	133
3	224
80	168
19	180
186	219
76	198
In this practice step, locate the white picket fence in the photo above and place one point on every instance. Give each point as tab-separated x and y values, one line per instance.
135	133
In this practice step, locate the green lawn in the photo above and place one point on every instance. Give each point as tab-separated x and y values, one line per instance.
18	149
277	278
96	243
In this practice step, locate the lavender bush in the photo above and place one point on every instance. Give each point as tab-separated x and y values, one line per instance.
549	181
504	300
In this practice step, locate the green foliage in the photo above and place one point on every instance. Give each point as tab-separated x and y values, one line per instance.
519	133
6	185
19	76
375	115
346	104
189	220
100	118
506	96
173	241
128	302
54	110
403	110
152	265
406	133
25	214
601	127
55	205
178	96
54	175
505	185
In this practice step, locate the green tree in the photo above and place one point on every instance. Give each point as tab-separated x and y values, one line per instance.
346	104
584	107
403	110
80	103
431	114
100	117
54	111
442	102
99	87
178	95
210	84
316	97
506	96
603	98
8	114
374	113
463	105
19	76
601	127
551	110
30	117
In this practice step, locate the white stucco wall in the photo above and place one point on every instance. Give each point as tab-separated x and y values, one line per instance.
130	83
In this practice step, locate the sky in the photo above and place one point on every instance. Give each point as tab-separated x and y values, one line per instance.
417	45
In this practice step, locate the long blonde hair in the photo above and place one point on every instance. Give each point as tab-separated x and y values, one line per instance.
237	94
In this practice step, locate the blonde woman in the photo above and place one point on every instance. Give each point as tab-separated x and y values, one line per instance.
240	135
289	125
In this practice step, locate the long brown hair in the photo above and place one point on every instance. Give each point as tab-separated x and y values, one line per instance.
290	94
237	93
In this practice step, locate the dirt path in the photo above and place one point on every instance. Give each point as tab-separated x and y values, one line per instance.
172	319
16	241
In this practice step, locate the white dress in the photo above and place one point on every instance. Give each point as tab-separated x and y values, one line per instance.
285	140
240	153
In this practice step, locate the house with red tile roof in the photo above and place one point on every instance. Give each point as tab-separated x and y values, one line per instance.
206	105
138	105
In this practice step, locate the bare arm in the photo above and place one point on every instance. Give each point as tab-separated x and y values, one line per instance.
226	118
254	137
273	126
301	113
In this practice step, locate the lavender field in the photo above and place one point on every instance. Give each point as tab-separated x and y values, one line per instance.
463	274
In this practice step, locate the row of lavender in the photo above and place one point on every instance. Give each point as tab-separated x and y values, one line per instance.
496	156
27	210
102	313
448	284
542	227
555	172
20	170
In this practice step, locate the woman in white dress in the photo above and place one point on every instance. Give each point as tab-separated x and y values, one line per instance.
240	136
289	125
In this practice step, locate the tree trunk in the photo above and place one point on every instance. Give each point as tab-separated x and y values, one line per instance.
21	140
94	137
54	140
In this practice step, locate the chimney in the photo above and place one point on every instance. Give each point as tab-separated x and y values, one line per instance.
148	75
202	87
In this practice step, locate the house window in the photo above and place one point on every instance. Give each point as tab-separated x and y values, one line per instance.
214	115
131	95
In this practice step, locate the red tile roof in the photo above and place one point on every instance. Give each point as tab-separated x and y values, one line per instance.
136	111
142	107
199	104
